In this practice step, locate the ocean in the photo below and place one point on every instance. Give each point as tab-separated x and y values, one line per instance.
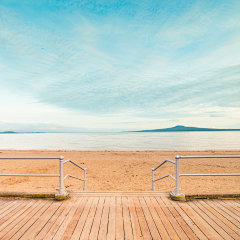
122	141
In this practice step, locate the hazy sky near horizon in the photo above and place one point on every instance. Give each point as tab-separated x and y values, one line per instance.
111	65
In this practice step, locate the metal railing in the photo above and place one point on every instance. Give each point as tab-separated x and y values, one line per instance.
61	190
84	169
177	189
153	169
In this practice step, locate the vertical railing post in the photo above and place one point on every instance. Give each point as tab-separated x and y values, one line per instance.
61	190
152	189
177	189
84	183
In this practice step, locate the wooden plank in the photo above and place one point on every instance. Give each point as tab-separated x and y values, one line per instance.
137	234
234	205
37	226
5	203
119	219
188	233
189	222
220	216
237	202
12	228
228	206
141	219
199	221
97	219
218	221
14	220
67	219
89	221
52	231
104	221
111	220
82	220
150	222
172	220
210	221
74	221
220	209
51	221
31	219
162	216
10	212
127	225
158	222
7	207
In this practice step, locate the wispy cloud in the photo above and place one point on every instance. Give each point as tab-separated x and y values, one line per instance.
132	58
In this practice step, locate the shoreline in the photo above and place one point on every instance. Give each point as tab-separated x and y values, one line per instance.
120	170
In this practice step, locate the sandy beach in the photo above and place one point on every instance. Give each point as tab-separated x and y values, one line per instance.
119	171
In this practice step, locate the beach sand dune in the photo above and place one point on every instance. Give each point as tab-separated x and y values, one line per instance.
119	171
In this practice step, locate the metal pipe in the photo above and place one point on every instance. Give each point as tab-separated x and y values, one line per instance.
177	189
76	164
84	183
30	175
220	174
61	190
163	163
169	175
22	158
221	156
152	189
73	177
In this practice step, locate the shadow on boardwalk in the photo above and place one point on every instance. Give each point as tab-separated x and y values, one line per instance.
119	216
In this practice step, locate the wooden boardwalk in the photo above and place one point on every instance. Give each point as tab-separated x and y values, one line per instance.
119	215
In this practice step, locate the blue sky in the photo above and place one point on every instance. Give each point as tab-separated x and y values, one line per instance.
111	65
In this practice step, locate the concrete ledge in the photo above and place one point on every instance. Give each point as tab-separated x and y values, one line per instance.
27	195
61	197
177	198
213	196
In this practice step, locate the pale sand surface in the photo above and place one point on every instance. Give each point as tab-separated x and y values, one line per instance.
119	171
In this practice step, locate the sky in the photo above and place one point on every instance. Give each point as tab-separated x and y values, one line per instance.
116	65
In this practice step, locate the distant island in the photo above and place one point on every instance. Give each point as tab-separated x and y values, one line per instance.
11	132
6	132
181	128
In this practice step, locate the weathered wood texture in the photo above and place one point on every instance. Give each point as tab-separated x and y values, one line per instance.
119	216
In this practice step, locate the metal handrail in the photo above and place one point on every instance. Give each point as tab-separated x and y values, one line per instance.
177	189
153	169
84	169
61	190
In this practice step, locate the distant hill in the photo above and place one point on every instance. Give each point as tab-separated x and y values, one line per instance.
6	132
181	128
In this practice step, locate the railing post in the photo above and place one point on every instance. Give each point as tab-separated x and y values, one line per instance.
177	189
152	189
61	190
84	183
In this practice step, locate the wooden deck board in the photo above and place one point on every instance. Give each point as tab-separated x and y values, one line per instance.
203	213
102	235
112	220
200	222
31	220
82	219
228	230
173	219
97	219
137	234
119	216
165	220
188	233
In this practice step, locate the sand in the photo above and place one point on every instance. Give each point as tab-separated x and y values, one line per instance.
119	171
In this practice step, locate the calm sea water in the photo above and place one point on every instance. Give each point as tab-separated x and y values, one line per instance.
122	141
